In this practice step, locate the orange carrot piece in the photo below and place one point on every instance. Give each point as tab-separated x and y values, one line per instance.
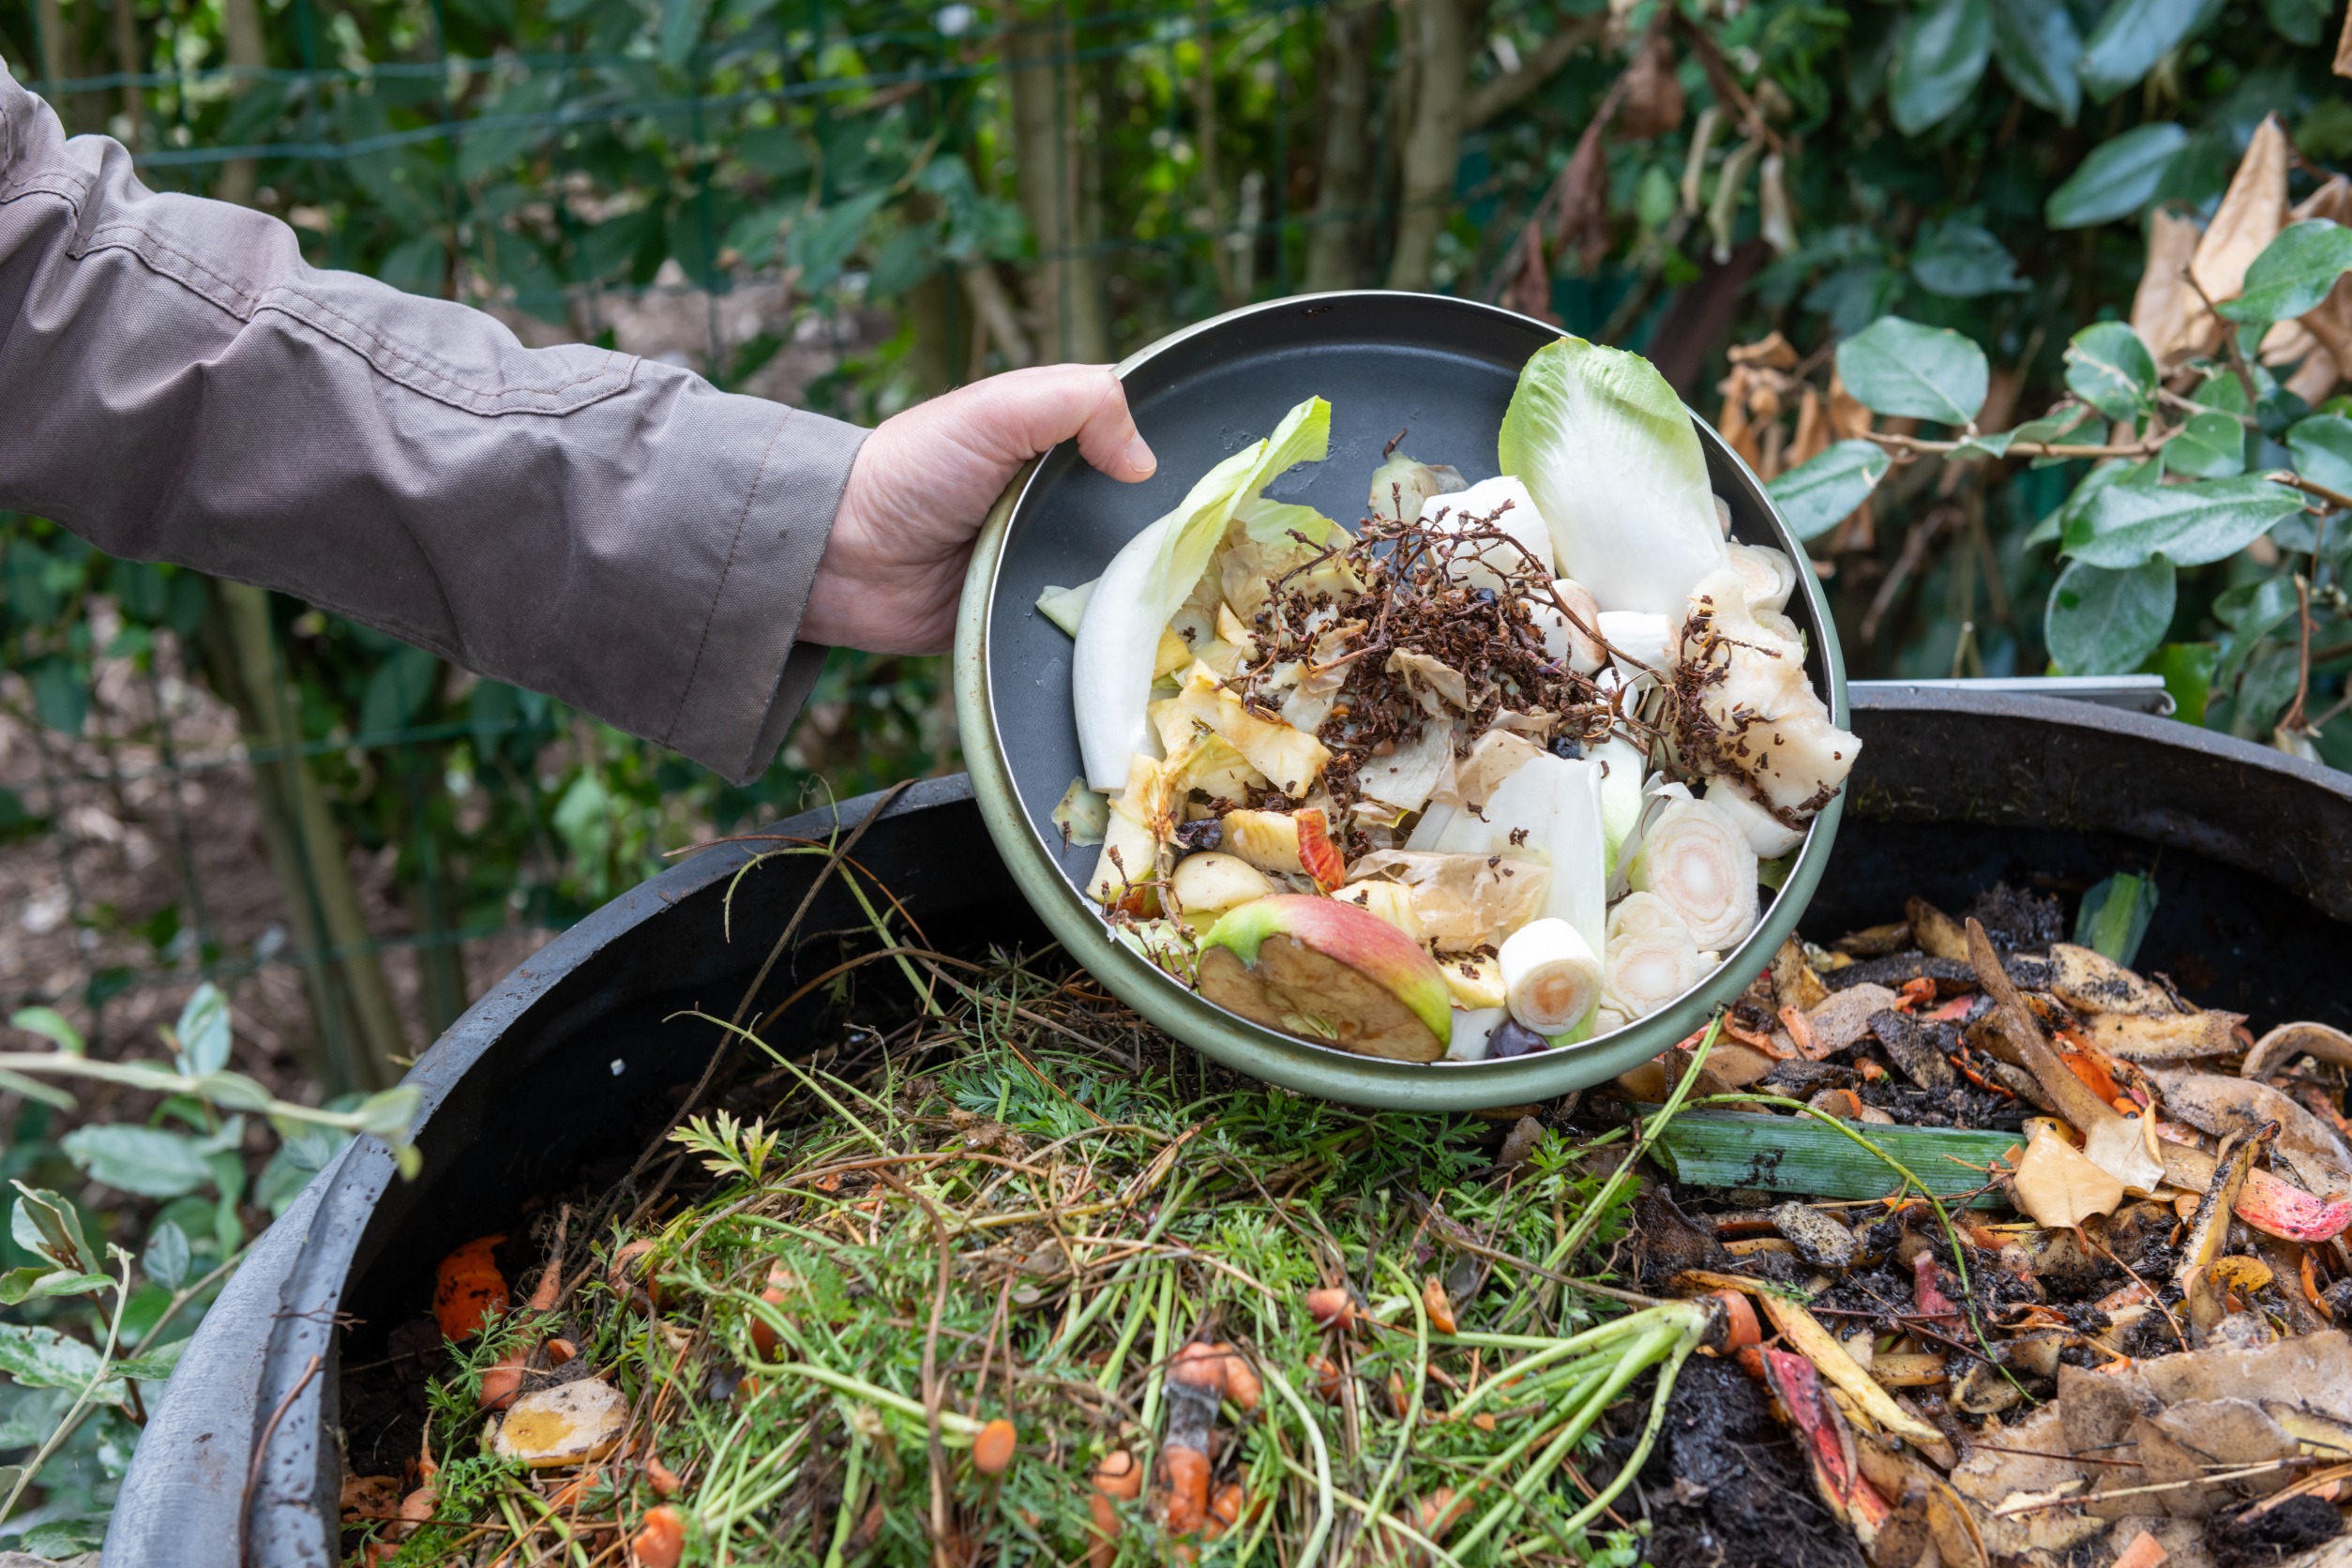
1438	1304
992	1449
661	1541
468	1289
1186	1473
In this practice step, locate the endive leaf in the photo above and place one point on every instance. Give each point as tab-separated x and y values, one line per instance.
1147	582
1614	463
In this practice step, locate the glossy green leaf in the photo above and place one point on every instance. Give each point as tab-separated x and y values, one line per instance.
2126	524
2111	370
156	1366
2292	274
204	1031
2118	178
2036	45
1939	60
2209	447
1897	367
51	1025
168	1255
21	1285
1960	259
45	1223
1814	495
2322	445
2104	622
2132	35
149	1161
2298	20
34	1357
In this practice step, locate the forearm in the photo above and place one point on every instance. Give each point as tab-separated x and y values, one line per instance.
177	384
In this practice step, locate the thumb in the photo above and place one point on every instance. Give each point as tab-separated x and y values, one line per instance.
1050	404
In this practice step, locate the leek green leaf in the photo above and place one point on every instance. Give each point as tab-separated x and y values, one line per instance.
2188	672
1600	440
2104	622
1901	368
1938	61
2119	177
2132	35
2111	370
2114	916
2292	274
1814	495
2189	524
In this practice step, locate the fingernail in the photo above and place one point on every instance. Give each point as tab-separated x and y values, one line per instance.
1140	457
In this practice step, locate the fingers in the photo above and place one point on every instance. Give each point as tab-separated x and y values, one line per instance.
1042	408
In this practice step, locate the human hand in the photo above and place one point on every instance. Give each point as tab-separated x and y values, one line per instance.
922	484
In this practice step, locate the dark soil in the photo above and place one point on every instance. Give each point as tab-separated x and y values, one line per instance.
2293	1527
1726	1487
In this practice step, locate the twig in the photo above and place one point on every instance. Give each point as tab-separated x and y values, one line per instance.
261	1445
2013	1510
2229	339
2293	722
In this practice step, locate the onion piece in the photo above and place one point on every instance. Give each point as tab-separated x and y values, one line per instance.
1472	1026
1564	642
1400	484
1639	640
1547	808
1697	859
1749	709
1770	575
1504	506
1765	834
1551	977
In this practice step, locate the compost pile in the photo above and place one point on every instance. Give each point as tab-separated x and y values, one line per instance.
1953	1244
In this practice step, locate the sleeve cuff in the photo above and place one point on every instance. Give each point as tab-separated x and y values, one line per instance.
752	676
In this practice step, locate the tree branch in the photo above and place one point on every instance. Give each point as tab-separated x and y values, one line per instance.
1506	92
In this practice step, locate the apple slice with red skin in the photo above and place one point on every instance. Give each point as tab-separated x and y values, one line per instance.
1329	972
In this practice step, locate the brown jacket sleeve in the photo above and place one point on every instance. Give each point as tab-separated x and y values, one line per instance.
177	384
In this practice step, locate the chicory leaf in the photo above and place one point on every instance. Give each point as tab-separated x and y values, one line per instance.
1147	582
1614	463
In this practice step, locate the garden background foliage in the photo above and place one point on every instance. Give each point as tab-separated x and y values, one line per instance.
2017	302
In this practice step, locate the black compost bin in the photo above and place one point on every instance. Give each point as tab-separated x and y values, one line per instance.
566	1064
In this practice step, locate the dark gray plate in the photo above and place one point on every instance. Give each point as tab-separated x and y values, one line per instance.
1441	371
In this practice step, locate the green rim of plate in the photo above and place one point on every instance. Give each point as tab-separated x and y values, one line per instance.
1302	1065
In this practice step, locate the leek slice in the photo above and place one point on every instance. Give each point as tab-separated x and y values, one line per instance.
1756	715
1765	834
1696	858
1150	578
1770	575
1551	976
1623	767
1613	461
1651	959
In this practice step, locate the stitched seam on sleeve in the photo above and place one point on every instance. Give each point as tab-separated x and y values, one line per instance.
425	364
406	366
743	519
